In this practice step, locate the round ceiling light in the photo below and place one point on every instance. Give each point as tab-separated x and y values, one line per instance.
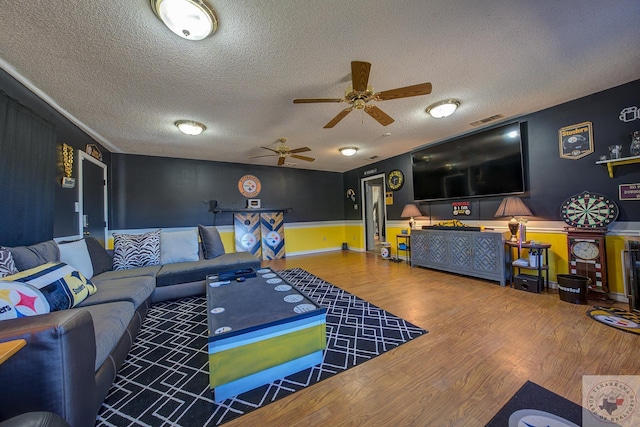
190	19
189	127
348	151
443	108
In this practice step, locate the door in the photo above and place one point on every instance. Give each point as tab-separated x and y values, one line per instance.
93	198
374	212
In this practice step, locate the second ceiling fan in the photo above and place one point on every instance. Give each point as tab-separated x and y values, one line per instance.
282	152
361	93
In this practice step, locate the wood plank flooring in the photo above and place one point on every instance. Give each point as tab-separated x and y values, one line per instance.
484	342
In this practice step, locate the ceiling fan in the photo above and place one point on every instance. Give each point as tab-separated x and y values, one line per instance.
282	151
360	93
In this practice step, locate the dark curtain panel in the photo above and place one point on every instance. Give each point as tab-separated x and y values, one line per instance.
27	175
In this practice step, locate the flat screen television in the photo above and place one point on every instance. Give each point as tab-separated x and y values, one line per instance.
486	163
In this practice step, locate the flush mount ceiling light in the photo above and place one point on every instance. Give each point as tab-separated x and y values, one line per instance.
190	19
348	151
189	127
443	108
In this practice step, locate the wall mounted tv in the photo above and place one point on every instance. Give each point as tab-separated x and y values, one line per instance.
486	163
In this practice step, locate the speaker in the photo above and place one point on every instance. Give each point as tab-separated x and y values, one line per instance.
528	282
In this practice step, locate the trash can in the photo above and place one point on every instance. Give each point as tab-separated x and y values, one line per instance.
385	250
573	288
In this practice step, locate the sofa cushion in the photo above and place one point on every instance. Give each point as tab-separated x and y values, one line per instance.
26	257
133	289
7	265
77	256
151	270
136	250
100	258
178	246
185	272
110	323
19	299
211	242
62	285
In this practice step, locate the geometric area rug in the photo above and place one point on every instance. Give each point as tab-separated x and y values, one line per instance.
165	378
534	405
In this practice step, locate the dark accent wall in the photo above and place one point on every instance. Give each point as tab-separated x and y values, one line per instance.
65	219
166	192
550	178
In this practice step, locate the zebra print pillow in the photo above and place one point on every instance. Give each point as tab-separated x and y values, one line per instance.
7	266
136	250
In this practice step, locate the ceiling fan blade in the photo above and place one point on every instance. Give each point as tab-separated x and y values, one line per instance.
404	92
337	118
305	158
300	150
270	149
266	155
379	115
281	161
312	100
360	75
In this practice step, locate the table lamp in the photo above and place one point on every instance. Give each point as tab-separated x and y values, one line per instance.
514	207
409	211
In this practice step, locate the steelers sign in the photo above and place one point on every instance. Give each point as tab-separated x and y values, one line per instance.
249	186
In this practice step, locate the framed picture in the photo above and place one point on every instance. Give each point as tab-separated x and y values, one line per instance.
576	141
94	151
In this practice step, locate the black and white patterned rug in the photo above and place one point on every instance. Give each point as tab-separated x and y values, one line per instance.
165	379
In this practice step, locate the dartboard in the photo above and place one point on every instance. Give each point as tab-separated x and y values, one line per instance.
588	210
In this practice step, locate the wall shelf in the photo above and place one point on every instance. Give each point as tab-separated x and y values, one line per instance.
611	164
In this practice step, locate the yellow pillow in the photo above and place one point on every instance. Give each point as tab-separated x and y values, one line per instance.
61	285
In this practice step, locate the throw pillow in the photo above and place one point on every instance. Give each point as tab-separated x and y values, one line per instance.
211	242
62	285
76	255
178	246
20	300
100	258
136	250
27	257
7	266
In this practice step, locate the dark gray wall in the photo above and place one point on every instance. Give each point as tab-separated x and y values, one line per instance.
550	179
165	192
65	219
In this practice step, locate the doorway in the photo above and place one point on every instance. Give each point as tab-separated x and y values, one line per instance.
374	213
92	196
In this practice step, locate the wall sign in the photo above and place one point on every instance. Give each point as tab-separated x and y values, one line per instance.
629	114
461	208
370	172
629	191
249	186
576	141
388	198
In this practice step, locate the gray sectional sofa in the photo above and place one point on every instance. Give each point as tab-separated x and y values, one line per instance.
72	356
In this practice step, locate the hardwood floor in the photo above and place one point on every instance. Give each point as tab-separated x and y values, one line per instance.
484	343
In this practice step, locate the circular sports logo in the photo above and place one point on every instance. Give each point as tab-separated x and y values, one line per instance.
249	186
611	401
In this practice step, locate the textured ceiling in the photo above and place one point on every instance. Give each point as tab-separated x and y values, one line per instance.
117	72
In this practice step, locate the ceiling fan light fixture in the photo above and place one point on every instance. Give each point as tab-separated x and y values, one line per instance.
443	109
348	151
189	19
190	127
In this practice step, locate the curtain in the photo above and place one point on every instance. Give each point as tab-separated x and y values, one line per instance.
27	175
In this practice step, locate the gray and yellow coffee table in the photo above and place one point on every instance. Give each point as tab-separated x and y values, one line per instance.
260	329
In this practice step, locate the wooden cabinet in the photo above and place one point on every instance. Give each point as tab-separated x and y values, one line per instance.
472	253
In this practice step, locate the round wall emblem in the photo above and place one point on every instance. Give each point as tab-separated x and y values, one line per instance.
249	186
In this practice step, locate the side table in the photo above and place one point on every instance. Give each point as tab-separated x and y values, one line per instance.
539	268
405	241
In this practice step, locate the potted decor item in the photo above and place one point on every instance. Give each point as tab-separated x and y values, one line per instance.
634	150
534	257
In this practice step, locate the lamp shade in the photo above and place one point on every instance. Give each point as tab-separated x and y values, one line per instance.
410	210
512	206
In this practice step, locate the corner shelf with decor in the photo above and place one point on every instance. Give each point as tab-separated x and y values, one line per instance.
612	163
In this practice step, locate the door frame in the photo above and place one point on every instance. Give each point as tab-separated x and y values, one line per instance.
383	210
82	156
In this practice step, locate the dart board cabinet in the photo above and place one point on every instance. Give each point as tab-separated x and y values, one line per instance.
588	214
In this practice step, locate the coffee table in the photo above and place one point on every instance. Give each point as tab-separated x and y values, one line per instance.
260	329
